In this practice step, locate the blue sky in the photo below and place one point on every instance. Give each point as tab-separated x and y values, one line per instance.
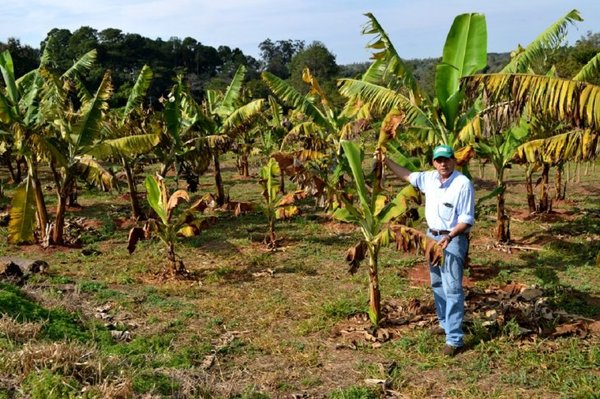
417	28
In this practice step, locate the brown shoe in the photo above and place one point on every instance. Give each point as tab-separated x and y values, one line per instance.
450	350
437	330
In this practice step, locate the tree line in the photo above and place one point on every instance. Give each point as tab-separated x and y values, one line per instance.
207	67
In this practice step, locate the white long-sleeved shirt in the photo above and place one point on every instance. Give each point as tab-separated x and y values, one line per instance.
448	203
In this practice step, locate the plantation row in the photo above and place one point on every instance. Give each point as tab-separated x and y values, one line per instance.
245	316
514	116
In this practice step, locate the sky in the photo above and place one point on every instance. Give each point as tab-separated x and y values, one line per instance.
417	28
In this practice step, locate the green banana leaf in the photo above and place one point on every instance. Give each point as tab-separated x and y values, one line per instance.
465	52
353	154
156	198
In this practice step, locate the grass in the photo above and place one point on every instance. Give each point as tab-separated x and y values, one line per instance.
268	319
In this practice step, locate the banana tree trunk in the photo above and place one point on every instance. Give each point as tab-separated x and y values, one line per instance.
544	205
529	188
282	183
502	219
481	170
271	238
40	203
218	179
374	291
561	184
244	165
136	209
175	267
72	198
59	221
14	172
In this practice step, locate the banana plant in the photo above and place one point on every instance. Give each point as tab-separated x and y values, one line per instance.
19	110
313	141
562	111
21	115
373	213
388	85
222	118
276	206
127	134
183	142
168	225
500	150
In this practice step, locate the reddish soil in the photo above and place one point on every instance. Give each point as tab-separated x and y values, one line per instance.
419	275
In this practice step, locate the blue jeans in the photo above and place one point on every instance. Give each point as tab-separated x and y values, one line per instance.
448	294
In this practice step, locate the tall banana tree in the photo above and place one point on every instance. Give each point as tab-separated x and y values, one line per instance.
223	116
19	116
554	142
389	86
501	126
75	139
126	136
558	99
182	142
319	126
313	140
20	113
73	131
499	149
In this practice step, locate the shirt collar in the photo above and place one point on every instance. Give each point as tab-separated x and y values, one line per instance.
450	178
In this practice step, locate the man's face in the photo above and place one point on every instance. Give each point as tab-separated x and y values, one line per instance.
444	166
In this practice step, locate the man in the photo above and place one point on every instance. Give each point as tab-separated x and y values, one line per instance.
450	213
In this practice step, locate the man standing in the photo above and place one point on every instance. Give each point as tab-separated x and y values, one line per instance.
450	213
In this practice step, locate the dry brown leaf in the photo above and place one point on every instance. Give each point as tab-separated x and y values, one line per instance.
135	234
390	125
287	199
207	362
579	328
355	255
241	208
414	241
175	199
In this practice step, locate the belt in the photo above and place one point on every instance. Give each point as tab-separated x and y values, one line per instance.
436	233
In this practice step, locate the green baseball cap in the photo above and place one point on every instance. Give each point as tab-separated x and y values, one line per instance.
443	151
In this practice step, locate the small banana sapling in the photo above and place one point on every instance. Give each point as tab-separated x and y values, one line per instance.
276	206
168	225
374	214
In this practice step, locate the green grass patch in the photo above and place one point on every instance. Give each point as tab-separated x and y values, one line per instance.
58	324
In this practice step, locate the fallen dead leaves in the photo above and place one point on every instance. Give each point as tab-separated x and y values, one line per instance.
516	310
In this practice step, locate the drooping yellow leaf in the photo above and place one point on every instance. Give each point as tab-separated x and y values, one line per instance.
287	212
380	202
188	231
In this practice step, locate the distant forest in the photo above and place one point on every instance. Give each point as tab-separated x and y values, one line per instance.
204	67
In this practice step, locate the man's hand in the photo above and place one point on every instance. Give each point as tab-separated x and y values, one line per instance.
444	241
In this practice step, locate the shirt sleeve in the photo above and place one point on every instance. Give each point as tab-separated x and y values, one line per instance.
416	179
466	204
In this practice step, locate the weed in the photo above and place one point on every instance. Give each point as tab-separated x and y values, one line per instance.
149	382
46	384
511	329
548	278
61	280
251	393
353	393
92	286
